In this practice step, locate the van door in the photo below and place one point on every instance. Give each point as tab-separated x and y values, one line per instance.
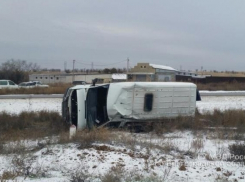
81	120
96	102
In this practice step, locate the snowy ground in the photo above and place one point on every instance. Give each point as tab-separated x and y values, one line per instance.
177	156
208	103
170	157
18	105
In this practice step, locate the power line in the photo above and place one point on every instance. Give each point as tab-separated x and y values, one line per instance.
127	64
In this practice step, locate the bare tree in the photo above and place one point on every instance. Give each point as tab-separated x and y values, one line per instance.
17	70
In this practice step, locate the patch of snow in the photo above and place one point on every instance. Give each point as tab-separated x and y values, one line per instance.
209	103
119	76
156	66
16	106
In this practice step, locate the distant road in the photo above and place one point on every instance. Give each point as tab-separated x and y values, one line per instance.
202	93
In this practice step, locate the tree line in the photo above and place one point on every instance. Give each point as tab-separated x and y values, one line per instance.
100	71
17	70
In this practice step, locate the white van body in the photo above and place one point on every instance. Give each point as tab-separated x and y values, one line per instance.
127	102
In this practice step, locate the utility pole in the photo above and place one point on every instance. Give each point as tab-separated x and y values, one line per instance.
127	64
65	66
73	70
73	65
92	66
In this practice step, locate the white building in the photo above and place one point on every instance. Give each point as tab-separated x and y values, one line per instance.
69	78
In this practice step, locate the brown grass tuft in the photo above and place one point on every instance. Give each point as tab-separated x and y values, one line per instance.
85	138
229	86
164	125
237	152
182	166
227	118
30	125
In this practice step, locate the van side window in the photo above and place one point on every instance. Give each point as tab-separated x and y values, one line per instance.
148	102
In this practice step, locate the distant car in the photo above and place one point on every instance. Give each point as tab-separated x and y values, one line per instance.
39	84
7	84
79	83
32	84
27	85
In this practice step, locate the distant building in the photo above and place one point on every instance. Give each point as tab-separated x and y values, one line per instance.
186	73
69	78
152	72
119	77
189	76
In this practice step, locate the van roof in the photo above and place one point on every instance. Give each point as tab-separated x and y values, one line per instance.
87	86
139	84
153	84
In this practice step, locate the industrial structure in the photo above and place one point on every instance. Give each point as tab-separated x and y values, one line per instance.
69	78
141	72
152	72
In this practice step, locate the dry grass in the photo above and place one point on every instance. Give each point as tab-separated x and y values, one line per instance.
227	118
116	173
237	152
119	174
21	165
33	125
197	144
85	138
182	166
228	86
8	175
52	89
30	125
229	124
161	126
40	124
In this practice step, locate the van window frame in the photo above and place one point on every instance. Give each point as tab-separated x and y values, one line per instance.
148	102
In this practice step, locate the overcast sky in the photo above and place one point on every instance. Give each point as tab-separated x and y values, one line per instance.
180	33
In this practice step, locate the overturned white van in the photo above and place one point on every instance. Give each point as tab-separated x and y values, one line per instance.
99	105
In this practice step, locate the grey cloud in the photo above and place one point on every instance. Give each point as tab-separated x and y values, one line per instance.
188	33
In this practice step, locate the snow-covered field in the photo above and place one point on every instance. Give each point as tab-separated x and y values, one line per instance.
175	156
16	106
208	103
